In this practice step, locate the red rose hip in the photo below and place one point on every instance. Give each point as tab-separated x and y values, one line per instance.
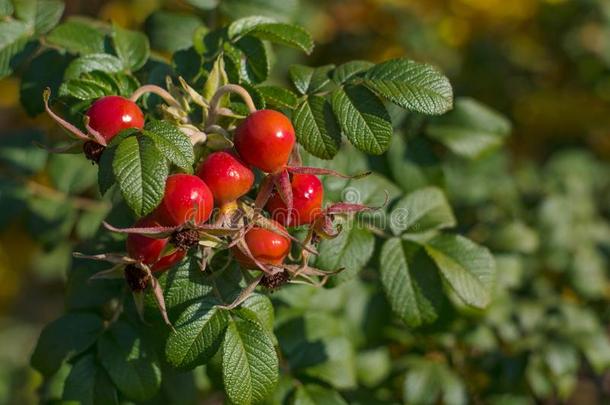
186	198
169	260
266	246
307	194
265	140
227	176
111	114
147	250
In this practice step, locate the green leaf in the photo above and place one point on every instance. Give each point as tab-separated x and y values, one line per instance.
84	295
316	127
89	222
311	394
471	129
596	348
342	73
95	61
428	382
338	367
171	32
44	70
50	219
132	366
468	268
25	10
423	210
89	384
13	38
77	36
19	152
64	338
414	165
85	89
183	285
48	14
12	200
95	84
172	143
363	119
315	345
310	80
278	97
267	29
243	26
204	4
411	85
411	291
198	334
132	47
374	365
6	8
282	10
105	173
140	171
262	307
371	190
71	174
351	250
249	362
255	63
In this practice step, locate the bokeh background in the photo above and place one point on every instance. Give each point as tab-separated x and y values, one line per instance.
545	64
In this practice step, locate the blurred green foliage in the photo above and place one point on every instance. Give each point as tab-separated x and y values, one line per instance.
542	206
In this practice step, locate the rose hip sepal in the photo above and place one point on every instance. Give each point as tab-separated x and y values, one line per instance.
204	232
324	227
139	278
154	252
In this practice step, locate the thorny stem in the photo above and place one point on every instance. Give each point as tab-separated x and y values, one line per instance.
159	91
226	89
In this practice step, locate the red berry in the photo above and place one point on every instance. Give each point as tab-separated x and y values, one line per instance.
266	246
147	250
111	114
187	198
169	260
265	140
227	176
307	196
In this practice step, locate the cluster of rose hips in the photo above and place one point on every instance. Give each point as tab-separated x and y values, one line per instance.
254	231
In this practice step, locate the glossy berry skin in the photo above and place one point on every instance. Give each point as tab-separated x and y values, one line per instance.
186	198
266	246
111	114
265	140
227	176
147	250
169	261
307	194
